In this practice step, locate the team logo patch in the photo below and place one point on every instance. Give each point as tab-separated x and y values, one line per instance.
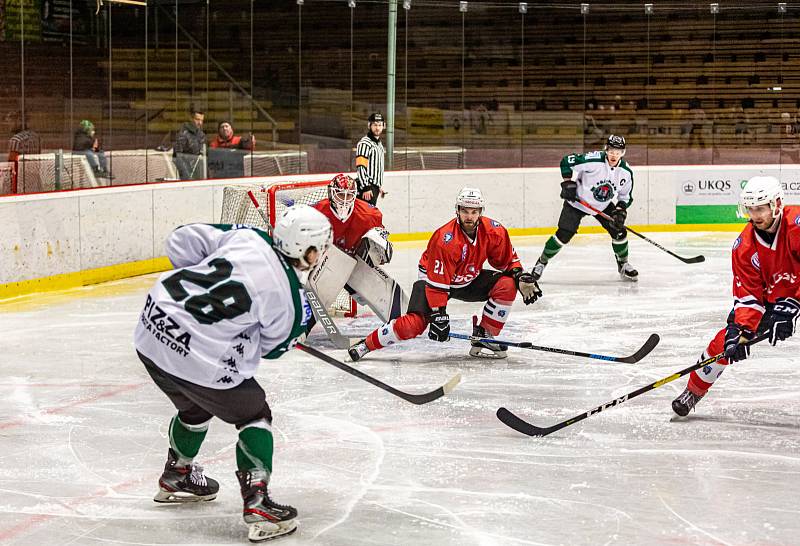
501	313
737	242
464	252
797	220
755	261
471	268
495	223
603	192
448	237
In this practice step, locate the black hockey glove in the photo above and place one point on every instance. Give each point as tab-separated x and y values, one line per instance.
439	329
569	190
618	215
783	319
527	286
734	351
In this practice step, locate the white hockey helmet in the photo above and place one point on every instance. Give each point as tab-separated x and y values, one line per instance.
470	198
761	190
342	196
300	228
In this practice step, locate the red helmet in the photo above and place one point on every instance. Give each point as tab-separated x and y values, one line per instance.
342	195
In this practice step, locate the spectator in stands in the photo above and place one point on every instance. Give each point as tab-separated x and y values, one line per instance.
189	146
741	125
226	139
23	141
369	160
697	123
85	142
226	156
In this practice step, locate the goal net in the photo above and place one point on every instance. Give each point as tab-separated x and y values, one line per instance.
237	208
429	157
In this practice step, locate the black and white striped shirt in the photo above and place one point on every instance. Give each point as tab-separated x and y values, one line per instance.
369	162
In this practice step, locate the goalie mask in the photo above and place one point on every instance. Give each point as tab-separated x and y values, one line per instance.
300	228
342	196
761	190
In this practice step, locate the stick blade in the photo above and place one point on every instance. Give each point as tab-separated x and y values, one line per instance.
520	425
694	259
425	398
643	351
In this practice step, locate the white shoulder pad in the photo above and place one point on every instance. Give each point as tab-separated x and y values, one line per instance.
375	248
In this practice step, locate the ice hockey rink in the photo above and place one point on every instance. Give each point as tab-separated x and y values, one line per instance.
83	429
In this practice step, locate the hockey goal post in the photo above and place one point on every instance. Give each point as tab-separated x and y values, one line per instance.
237	208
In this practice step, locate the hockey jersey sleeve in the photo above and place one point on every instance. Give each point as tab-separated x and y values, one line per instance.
190	244
567	162
501	254
748	290
439	270
625	196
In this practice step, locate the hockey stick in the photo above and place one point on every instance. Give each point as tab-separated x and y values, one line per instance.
320	313
692	260
418	399
524	427
643	351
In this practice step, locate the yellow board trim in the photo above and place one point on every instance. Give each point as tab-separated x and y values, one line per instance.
143	267
88	277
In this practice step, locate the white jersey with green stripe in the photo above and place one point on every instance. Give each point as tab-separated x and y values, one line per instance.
231	300
599	184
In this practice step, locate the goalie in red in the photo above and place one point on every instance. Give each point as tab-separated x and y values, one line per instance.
361	245
766	284
451	267
353	220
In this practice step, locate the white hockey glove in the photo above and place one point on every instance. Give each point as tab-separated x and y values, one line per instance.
527	286
375	248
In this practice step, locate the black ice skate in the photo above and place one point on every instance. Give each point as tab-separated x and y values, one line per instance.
627	272
184	483
486	349
683	404
358	350
538	269
266	519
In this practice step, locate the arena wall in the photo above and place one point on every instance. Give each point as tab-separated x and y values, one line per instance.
59	240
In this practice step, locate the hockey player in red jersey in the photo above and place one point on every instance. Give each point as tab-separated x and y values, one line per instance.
451	267
766	284
351	219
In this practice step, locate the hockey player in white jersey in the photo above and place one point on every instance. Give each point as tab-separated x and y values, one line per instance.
605	181
235	296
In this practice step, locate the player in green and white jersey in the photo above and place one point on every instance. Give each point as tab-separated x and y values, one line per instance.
235	296
603	180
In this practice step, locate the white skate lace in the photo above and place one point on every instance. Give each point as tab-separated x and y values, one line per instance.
196	475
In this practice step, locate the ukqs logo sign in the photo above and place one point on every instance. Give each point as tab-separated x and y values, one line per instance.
706	186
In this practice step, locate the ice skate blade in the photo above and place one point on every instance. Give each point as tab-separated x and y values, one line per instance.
629	279
483	352
678	418
265	530
178	497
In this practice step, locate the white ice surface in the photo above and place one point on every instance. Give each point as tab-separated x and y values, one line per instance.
83	430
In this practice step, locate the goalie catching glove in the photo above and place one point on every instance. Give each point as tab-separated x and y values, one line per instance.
527	285
375	248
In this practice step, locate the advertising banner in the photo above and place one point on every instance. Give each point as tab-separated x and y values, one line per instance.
711	195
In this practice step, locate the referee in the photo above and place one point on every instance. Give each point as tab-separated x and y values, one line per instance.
369	160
